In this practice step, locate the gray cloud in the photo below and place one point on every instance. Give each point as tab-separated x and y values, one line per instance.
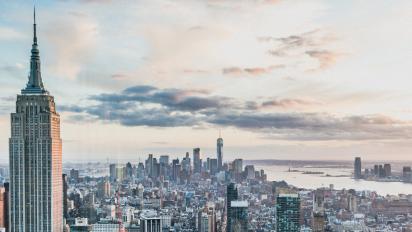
154	107
253	71
288	103
311	43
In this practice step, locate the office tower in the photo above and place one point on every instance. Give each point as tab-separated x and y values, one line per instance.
387	169
65	187
288	213
119	173
129	170
352	203
358	168
6	205
250	171
149	165
150	222
318	213
203	220
3	207
237	217
74	175
376	170
35	156
197	163
104	188
175	171
381	171
220	153
207	220
407	174
212	166
231	195
164	159
112	172
237	166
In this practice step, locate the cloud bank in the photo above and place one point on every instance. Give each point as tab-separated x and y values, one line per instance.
145	105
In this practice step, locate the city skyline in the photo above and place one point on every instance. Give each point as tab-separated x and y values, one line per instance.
281	80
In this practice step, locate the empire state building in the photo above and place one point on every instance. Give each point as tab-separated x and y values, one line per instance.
35	151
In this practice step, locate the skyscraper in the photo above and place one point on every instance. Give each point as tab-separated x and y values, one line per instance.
358	168
112	170
65	187
231	195
197	163
3	208
288	213
387	169
35	151
237	216
220	153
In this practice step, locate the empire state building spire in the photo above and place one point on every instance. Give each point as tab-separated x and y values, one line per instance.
35	83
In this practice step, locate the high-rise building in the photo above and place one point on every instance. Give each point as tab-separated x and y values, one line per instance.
35	150
112	172
3	207
407	174
129	170
197	163
237	166
164	159
150	222
74	175
219	153
250	171
387	169
149	165
358	168
288	213
212	165
231	195
237	216
65	187
318	214
381	171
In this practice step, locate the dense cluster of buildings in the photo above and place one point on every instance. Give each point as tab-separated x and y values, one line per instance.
190	193
381	172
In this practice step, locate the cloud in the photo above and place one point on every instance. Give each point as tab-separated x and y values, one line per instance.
9	34
73	41
153	107
318	126
253	71
313	44
288	103
325	58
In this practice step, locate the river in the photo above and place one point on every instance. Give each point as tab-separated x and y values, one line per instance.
313	181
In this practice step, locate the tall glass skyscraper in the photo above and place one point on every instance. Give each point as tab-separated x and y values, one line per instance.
220	153
288	213
35	152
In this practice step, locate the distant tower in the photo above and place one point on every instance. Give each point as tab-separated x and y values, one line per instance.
35	154
197	162
358	168
220	153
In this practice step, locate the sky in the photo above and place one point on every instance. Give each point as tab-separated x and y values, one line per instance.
281	79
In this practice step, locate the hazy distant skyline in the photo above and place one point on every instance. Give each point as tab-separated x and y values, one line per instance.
281	79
